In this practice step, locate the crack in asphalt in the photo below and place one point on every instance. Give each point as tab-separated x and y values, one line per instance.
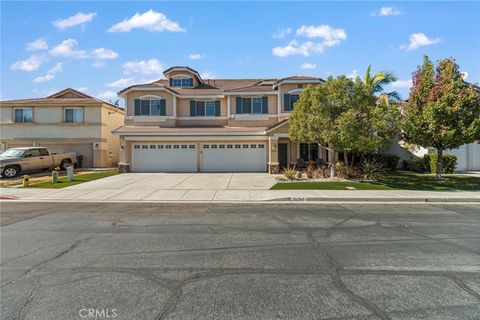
28	300
464	286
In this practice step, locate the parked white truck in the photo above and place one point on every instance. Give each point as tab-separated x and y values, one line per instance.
16	160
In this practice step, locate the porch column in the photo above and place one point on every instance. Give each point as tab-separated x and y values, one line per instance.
273	165
123	165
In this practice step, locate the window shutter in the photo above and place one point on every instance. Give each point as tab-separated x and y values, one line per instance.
239	105
163	107
170	82
287	104
137	107
217	108
192	108
264	104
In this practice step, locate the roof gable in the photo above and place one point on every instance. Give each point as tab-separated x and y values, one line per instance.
69	93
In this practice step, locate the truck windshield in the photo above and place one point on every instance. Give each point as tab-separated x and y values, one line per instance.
13	153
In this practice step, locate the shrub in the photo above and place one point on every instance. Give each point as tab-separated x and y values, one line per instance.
373	169
309	171
449	163
322	172
415	165
389	160
353	172
341	170
289	173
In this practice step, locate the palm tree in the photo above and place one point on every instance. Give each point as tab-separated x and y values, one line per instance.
376	84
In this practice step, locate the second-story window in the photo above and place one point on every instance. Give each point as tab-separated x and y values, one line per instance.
181	82
24	115
251	105
204	108
289	101
74	115
150	107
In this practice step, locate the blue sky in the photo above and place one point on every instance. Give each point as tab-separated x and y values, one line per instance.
102	47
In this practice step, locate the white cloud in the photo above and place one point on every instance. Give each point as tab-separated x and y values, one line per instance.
150	20
120	83
78	19
30	64
400	84
331	37
196	56
305	48
50	73
207	75
68	49
102	53
323	31
464	75
107	95
308	66
39	44
418	40
387	11
81	89
151	66
353	75
282	33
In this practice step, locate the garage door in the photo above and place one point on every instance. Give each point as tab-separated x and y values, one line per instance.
468	157
475	147
85	149
164	157
235	157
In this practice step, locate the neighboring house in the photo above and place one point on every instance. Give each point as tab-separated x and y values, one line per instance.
188	124
468	156
66	121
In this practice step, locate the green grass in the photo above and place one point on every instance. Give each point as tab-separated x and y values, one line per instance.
62	182
394	181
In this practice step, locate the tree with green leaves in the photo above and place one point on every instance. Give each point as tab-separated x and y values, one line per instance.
376	84
345	114
442	111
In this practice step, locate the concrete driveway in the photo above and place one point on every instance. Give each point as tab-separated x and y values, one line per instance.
174	186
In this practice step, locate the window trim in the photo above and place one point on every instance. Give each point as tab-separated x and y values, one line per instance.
73	108
149	98
213	106
261	98
180	77
21	108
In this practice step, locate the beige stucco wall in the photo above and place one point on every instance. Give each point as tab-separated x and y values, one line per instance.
183	106
113	119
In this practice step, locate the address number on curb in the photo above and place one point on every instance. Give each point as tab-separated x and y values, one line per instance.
298	198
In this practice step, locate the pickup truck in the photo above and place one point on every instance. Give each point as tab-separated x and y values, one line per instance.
16	160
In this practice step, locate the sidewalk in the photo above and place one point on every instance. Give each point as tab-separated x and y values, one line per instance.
215	195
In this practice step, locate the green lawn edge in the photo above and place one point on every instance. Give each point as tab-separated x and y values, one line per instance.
394	181
62	182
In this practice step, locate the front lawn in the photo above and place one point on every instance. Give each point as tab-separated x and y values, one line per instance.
394	181
78	178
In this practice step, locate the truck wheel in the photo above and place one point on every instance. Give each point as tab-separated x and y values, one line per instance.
10	172
65	163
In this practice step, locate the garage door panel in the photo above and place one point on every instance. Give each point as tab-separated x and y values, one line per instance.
234	157
164	157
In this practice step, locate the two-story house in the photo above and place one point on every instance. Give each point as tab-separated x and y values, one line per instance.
188	124
67	121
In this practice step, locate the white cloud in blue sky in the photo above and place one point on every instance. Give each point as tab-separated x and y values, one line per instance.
50	73
418	40
150	20
30	64
387	11
308	66
39	44
75	20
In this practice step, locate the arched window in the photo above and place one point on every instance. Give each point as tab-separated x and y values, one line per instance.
181	81
150	106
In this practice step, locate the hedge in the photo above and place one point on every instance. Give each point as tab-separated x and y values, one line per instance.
449	163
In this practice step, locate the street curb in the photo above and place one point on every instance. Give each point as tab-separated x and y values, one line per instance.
325	199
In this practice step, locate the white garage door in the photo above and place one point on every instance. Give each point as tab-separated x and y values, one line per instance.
468	157
235	157
164	157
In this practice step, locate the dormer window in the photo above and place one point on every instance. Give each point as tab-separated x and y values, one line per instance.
181	82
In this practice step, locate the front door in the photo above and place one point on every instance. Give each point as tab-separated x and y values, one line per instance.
283	155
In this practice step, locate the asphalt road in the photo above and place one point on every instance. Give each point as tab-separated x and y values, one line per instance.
200	261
